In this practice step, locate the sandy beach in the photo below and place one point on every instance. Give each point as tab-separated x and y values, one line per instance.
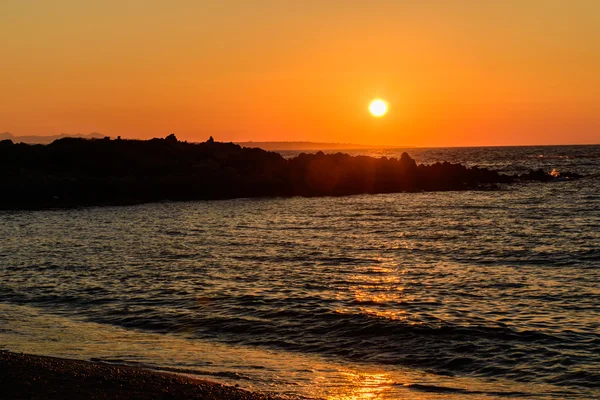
25	376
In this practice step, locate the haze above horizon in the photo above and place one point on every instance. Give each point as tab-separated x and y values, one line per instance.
452	73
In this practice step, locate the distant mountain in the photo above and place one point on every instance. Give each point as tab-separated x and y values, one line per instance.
271	146
46	139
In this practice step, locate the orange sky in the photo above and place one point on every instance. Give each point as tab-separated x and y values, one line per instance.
455	72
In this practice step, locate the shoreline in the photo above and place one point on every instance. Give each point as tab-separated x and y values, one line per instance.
26	376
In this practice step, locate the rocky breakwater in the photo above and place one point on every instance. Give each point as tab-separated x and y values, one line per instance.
77	172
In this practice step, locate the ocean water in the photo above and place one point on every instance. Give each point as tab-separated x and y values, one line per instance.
472	294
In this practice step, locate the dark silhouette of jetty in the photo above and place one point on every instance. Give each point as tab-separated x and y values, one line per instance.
76	172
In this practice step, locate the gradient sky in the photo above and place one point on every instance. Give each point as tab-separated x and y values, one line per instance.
455	73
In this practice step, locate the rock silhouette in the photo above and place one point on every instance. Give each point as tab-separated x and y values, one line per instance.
541	176
76	172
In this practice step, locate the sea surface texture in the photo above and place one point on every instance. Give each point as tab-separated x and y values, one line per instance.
471	294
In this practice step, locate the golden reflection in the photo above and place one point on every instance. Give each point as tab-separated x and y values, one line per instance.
363	385
379	303
389	314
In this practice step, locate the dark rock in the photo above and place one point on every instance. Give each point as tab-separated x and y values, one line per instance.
75	171
407	162
540	176
536	175
569	175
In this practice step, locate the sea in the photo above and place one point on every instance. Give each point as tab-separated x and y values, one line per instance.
434	295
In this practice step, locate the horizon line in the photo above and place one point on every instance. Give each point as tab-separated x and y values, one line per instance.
337	144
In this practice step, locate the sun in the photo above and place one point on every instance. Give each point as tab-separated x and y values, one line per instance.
378	108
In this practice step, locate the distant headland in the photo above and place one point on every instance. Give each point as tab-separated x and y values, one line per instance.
271	146
35	139
72	172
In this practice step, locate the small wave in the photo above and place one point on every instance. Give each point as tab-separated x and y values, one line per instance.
434	389
174	233
115	361
190	371
450	390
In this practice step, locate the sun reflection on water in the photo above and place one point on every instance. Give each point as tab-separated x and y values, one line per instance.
364	385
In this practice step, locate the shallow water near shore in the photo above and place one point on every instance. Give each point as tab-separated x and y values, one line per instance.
447	294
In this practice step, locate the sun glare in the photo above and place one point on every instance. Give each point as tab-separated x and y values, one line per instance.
378	108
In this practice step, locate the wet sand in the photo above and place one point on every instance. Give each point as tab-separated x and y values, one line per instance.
35	377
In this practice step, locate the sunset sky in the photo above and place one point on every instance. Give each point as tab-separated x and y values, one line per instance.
454	72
